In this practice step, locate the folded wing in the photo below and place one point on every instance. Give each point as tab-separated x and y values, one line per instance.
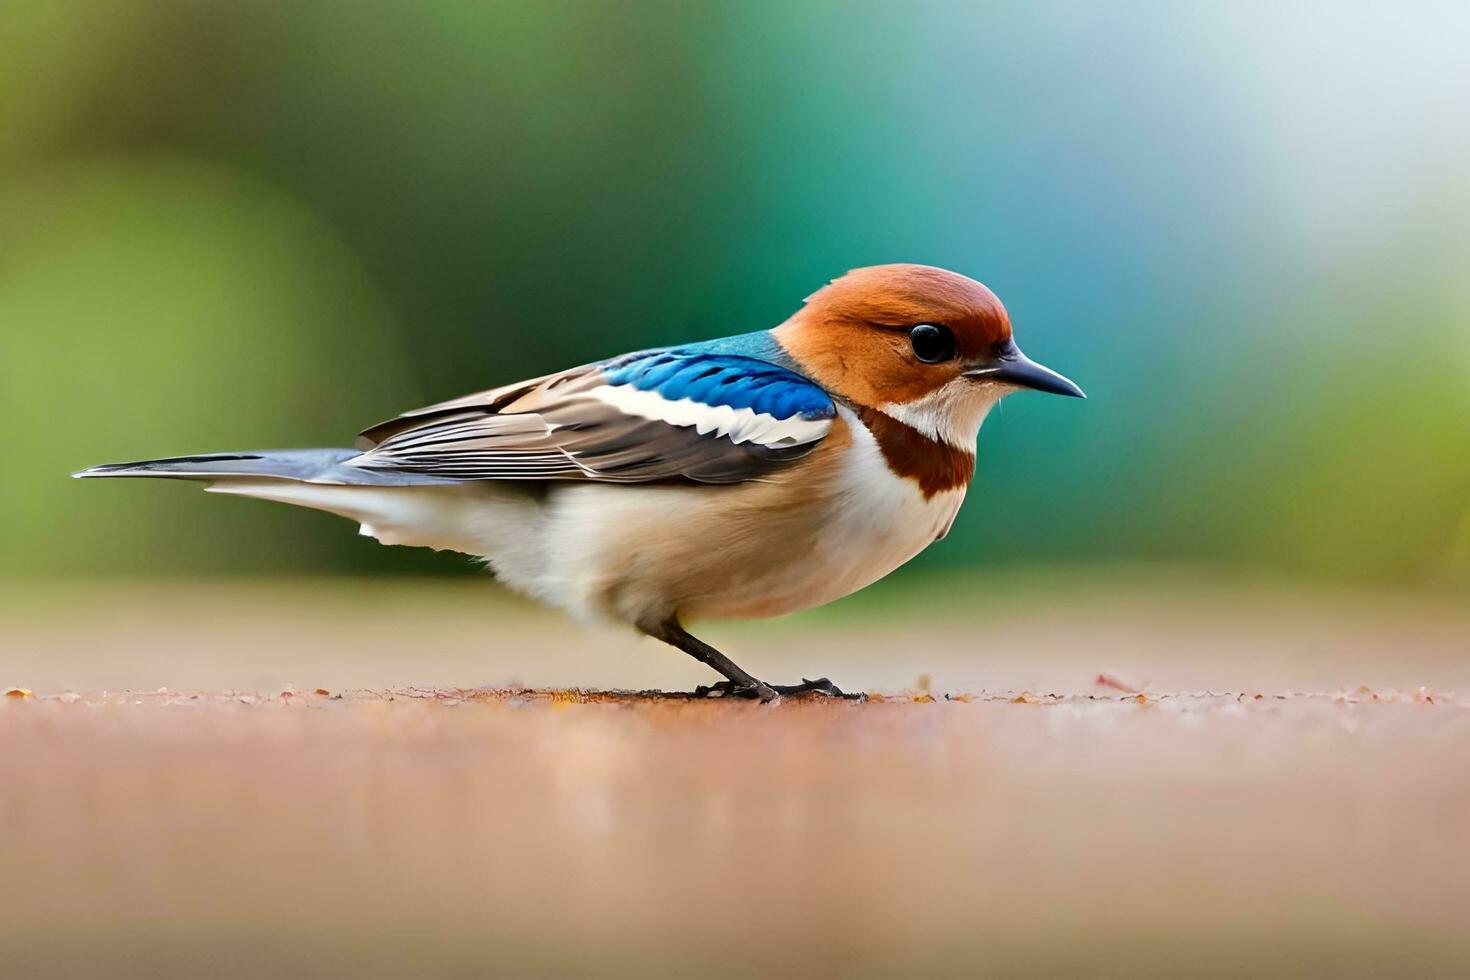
657	415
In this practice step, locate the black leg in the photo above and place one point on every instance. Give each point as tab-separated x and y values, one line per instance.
737	682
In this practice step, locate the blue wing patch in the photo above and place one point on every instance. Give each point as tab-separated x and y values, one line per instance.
719	412
715	379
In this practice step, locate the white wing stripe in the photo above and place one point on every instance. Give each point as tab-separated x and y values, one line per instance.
738	424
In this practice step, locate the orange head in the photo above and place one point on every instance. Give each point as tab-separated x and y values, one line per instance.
929	347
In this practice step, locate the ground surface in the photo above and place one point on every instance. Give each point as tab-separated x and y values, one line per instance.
1288	794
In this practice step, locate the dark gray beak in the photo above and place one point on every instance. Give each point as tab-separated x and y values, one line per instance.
1012	367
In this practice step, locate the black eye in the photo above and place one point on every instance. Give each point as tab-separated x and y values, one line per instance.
932	343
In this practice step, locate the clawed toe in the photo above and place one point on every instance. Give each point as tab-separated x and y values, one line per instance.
821	686
729	689
769	692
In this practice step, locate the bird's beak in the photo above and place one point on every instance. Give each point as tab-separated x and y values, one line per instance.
1014	368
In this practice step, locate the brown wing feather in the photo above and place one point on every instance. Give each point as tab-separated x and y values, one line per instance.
549	428
507	398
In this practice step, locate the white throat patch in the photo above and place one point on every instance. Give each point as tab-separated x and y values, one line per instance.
951	414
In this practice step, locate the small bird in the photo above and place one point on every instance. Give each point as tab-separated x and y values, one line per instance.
744	477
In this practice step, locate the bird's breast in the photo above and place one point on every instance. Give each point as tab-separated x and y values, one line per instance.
848	519
818	530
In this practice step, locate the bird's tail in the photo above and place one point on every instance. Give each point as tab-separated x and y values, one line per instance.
323	466
391	505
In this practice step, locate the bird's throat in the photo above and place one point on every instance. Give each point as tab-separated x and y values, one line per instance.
934	465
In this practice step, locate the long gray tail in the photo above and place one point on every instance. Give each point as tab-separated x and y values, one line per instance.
391	505
327	466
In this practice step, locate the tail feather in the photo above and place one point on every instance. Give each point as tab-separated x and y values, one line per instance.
300	465
475	517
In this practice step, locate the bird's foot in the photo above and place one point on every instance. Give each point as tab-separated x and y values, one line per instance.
821	686
756	691
769	692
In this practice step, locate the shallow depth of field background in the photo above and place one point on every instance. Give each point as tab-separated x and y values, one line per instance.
1243	228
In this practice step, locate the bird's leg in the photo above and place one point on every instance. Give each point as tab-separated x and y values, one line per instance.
737	684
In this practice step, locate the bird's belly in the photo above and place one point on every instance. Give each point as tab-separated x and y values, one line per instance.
860	542
640	553
845	558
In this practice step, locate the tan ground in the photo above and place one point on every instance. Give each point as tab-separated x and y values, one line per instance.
1289	796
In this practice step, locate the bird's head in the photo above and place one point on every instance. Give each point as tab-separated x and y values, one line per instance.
930	348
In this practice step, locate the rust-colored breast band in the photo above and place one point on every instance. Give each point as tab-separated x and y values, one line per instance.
935	466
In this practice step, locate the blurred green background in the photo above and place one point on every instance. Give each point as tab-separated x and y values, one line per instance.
1243	228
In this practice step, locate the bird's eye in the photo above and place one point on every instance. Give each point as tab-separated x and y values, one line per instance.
932	343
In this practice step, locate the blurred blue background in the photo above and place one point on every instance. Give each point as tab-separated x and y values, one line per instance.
1243	228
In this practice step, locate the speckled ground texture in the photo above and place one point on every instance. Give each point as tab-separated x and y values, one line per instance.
1150	777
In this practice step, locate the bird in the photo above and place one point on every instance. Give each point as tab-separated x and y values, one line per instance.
749	476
